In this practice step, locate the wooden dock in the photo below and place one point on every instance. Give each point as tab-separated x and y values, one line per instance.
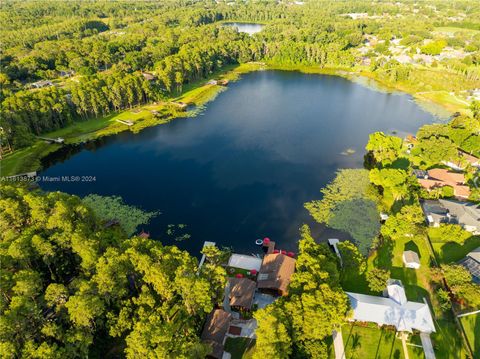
205	244
128	123
53	140
270	247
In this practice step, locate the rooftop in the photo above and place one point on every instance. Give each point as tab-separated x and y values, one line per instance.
394	310
472	263
275	272
242	291
246	262
215	329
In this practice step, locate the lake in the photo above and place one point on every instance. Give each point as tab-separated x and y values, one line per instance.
243	168
246	27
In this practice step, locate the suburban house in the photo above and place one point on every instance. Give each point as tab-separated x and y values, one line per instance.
394	310
472	263
465	214
275	273
214	331
245	262
465	159
439	177
411	259
241	294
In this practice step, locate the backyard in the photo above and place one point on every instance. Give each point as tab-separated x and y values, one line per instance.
240	348
373	342
471	325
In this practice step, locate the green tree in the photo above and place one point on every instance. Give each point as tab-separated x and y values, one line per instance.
459	280
377	279
385	149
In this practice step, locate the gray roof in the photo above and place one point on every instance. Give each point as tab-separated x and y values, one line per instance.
472	263
466	213
411	257
454	212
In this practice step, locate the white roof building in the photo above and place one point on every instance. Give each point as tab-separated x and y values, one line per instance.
411	259
246	262
394	310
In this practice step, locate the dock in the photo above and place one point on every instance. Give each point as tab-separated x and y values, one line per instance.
205	244
128	123
333	242
53	140
269	247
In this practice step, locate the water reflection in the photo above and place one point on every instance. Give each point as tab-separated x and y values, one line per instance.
244	168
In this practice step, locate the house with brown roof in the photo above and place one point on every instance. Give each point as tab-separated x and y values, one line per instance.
439	177
242	291
275	273
214	331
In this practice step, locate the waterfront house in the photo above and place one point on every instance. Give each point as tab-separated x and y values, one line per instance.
439	177
472	263
242	291
392	310
465	214
275	273
214	331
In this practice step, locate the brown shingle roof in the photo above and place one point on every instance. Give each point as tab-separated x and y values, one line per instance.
215	329
241	292
276	272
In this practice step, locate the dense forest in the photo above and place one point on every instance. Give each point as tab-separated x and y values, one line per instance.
91	58
74	286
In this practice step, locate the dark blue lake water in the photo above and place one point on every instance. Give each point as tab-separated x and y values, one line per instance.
244	167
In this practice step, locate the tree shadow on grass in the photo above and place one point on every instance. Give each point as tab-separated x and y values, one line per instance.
476	344
453	252
412	246
384	256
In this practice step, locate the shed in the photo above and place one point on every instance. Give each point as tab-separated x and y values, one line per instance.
411	259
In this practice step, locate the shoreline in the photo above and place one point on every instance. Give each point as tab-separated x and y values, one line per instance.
197	94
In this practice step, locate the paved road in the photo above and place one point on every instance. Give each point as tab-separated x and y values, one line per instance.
338	345
427	346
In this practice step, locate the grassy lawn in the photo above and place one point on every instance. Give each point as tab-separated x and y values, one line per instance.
471	325
447	340
452	251
376	343
240	347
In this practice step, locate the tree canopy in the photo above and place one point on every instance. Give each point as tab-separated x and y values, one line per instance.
71	287
299	323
